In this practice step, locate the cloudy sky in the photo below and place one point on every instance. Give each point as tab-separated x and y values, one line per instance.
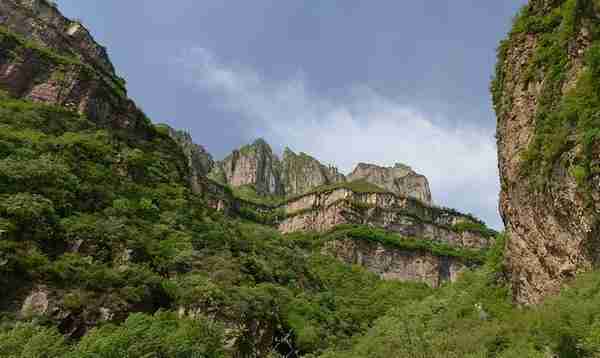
344	80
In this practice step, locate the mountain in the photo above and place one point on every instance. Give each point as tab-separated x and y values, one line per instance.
546	97
256	166
114	241
399	179
122	238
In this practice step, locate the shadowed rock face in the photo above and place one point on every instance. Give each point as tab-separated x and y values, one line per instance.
47	58
550	201
301	172
397	265
253	164
399	179
199	160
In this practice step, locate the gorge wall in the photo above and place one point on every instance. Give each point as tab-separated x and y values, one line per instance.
547	98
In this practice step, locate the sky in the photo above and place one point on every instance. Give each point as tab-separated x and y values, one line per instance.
346	81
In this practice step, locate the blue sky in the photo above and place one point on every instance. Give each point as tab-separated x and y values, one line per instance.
346	81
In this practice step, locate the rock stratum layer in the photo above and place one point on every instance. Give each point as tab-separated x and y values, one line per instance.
408	217
547	99
394	264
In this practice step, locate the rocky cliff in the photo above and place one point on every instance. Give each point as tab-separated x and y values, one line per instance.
547	98
301	173
323	211
399	179
199	160
255	165
395	264
46	57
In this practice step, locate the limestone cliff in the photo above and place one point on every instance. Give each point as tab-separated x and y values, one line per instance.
254	165
408	217
199	160
399	179
48	58
547	98
394	264
301	173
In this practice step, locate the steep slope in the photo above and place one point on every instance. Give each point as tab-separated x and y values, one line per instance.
301	172
399	179
199	160
547	98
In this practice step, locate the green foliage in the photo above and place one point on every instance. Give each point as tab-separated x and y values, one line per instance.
31	341
476	227
161	335
359	232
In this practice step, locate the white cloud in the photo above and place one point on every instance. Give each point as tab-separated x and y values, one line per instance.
364	126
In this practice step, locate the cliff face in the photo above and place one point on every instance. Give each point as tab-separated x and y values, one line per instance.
199	160
394	264
547	96
301	172
254	165
399	179
324	211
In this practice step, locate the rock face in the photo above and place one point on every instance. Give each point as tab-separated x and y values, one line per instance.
253	164
199	160
408	217
394	264
296	174
546	97
399	179
301	173
47	58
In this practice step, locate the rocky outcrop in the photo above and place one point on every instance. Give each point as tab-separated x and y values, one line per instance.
42	22
545	96
399	179
395	264
199	161
254	165
301	173
45	57
408	217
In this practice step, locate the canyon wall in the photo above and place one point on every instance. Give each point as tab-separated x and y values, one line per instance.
546	95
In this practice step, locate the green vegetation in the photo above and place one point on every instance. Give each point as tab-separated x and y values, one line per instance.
475	227
106	221
359	232
248	193
475	317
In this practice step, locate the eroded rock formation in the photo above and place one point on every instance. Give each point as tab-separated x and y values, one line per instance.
48	58
301	173
395	264
399	179
199	160
545	96
408	217
254	165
